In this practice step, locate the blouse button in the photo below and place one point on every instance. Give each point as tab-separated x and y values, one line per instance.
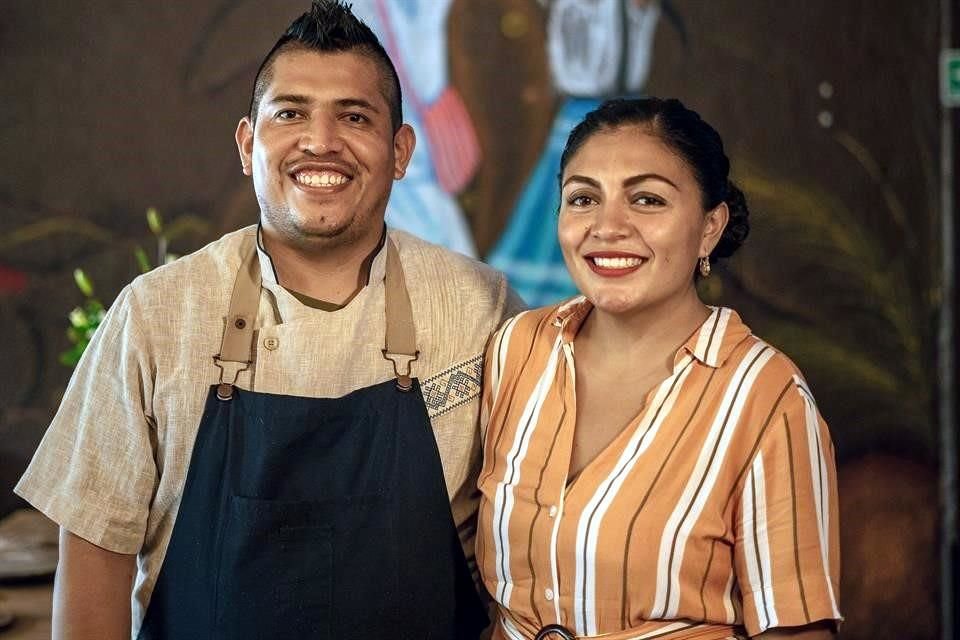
548	594
553	511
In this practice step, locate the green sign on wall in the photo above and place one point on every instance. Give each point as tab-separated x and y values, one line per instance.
950	77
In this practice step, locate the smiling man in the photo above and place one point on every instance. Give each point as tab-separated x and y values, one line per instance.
276	436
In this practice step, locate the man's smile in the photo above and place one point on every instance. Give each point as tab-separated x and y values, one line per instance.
323	175
320	178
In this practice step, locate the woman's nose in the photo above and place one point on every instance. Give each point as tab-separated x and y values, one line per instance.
611	222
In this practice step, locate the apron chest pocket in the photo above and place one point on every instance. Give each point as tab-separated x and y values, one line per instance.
311	569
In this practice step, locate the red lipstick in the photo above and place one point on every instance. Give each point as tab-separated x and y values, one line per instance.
613	264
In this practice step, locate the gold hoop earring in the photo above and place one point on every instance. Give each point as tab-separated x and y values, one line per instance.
704	264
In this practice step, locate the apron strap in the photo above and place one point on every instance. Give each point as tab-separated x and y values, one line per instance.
236	348
401	338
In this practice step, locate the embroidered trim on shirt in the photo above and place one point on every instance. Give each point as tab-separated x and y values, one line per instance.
453	387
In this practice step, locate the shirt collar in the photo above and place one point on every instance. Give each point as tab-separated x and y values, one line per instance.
268	274
717	337
712	343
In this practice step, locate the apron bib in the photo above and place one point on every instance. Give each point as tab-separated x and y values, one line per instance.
314	517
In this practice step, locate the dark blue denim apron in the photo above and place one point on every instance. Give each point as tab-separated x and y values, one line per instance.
314	517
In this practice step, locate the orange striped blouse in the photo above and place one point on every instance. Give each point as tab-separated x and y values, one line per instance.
713	514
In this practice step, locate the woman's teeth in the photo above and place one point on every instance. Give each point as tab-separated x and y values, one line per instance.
616	263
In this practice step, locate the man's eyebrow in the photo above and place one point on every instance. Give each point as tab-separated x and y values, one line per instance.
357	102
342	103
294	98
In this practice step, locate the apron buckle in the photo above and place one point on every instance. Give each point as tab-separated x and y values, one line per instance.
404	383
225	389
401	368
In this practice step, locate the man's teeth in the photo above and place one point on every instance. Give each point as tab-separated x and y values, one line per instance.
616	263
321	179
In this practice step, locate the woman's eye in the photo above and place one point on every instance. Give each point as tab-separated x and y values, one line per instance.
647	200
580	201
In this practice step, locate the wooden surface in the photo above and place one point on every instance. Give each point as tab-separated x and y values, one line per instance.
28	547
30	603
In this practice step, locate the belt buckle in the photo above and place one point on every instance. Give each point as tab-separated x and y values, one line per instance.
554	631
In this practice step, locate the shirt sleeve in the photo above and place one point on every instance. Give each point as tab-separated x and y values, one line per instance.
493	360
465	501
494	353
94	471
786	553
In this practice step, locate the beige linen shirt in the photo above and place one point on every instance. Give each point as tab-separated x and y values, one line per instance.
112	466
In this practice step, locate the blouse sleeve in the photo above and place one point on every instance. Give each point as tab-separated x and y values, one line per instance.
786	554
493	361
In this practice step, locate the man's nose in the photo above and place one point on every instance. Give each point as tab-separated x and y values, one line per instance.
320	137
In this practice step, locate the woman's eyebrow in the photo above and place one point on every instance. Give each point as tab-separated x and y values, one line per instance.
642	177
584	179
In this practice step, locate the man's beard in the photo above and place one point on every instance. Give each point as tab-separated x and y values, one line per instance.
313	234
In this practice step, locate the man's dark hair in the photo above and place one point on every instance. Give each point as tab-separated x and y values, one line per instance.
330	27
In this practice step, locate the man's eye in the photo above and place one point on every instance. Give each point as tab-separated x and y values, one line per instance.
357	118
286	114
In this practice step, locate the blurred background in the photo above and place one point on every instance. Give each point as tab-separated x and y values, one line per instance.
830	111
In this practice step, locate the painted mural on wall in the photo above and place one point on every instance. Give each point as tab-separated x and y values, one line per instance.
447	155
839	167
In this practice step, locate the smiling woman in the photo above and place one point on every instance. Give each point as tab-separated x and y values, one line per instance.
651	468
615	222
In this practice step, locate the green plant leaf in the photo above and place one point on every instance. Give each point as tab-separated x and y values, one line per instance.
154	221
78	318
186	224
143	262
83	282
85	320
71	356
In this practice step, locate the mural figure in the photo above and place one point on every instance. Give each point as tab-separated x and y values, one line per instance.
596	49
447	154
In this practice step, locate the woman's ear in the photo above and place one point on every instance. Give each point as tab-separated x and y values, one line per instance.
714	223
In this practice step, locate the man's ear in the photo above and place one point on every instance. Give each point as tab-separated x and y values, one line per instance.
713	225
404	142
244	138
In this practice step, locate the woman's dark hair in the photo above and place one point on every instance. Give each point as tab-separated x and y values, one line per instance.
692	139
